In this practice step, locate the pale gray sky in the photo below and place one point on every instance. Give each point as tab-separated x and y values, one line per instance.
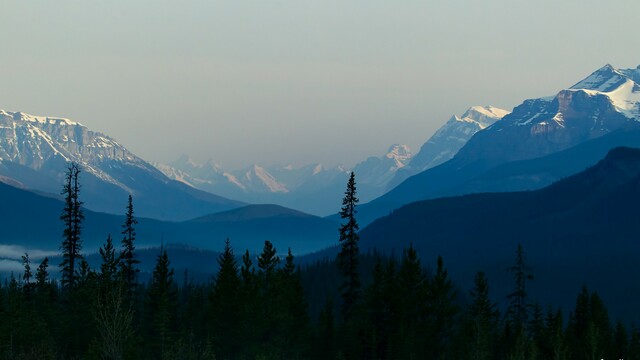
298	81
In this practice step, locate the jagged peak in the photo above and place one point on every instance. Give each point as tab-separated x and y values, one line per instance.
398	151
22	116
488	110
607	79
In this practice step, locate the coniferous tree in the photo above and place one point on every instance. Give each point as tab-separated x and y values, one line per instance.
109	266
128	260
26	277
42	274
72	218
292	308
348	256
517	313
112	314
483	320
268	300
161	308
225	309
442	312
412	283
250	301
554	344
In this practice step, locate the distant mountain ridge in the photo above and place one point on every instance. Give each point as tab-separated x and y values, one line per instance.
448	139
605	101
35	150
311	188
33	221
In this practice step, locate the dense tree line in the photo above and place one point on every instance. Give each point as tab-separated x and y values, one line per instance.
357	306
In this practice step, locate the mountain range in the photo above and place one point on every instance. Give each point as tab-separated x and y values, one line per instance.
35	150
312	188
318	190
605	101
448	139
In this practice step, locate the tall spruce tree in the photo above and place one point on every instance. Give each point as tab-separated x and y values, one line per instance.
348	256
483	320
442	312
161	308
225	309
517	312
109	266
128	259
72	218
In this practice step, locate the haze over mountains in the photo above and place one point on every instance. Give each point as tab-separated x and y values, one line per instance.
312	188
316	189
35	150
605	101
484	150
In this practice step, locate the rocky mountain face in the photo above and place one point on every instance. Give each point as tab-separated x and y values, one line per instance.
605	101
35	151
448	139
312	188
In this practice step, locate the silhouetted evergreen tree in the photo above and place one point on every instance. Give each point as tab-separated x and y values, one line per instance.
517	313
72	218
482	321
292	319
348	256
555	344
590	330
161	308
225	308
128	260
110	261
42	274
442	312
412	309
26	277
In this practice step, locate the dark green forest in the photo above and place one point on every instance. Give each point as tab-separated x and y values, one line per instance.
355	306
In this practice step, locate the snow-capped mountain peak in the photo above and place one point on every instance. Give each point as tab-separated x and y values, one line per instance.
35	151
448	139
399	153
607	79
37	141
257	176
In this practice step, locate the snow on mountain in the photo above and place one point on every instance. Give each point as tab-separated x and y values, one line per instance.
376	172
605	101
258	179
37	141
35	150
311	188
448	139
602	102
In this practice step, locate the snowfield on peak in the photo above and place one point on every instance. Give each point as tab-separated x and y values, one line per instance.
448	139
35	152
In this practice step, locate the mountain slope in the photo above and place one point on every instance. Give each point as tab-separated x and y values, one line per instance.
32	221
448	139
312	188
580	230
35	150
535	128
